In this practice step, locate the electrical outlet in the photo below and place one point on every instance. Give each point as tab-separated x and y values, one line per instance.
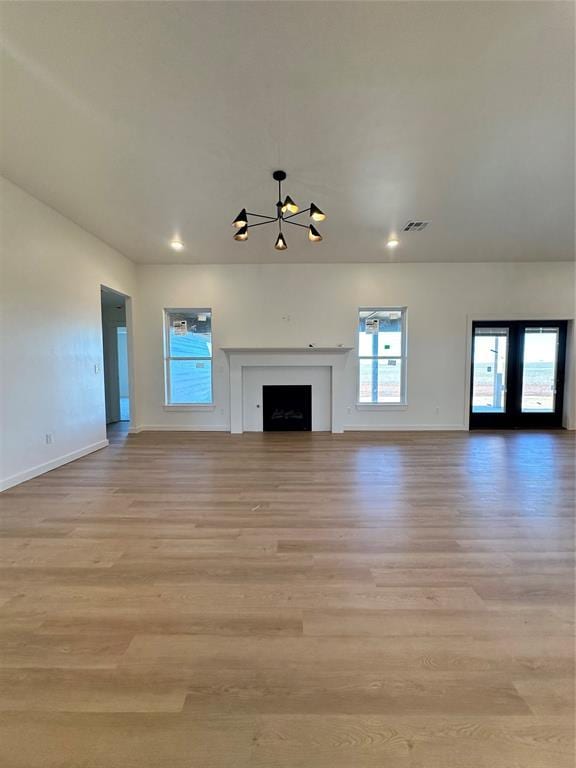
97	368
49	437
437	410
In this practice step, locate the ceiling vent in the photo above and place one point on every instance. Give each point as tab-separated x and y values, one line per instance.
415	226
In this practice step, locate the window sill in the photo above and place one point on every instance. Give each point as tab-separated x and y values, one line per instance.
381	406
189	407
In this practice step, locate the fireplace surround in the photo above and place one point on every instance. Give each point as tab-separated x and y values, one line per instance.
239	358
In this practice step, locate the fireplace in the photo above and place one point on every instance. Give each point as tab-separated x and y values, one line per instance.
251	368
287	408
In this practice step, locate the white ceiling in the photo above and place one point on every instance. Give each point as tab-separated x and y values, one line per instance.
142	121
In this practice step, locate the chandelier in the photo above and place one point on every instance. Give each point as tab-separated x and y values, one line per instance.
286	210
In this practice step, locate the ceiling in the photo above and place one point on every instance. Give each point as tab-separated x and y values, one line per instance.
142	121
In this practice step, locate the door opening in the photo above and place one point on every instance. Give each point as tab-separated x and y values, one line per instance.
517	379
115	354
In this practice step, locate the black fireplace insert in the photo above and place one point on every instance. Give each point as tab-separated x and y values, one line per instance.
287	408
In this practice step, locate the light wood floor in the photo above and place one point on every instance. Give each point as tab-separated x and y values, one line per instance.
292	601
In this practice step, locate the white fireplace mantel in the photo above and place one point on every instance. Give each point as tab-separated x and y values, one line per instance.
285	350
243	357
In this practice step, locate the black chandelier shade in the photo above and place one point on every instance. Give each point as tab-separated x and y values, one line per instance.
241	220
313	235
315	213
280	243
242	233
286	210
289	205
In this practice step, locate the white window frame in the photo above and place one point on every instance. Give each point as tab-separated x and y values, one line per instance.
167	358
403	357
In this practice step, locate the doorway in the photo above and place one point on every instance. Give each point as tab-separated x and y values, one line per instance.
115	356
517	379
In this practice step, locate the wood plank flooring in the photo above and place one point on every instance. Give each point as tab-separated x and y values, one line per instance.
196	600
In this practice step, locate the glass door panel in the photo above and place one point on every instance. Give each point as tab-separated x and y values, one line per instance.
489	370
540	362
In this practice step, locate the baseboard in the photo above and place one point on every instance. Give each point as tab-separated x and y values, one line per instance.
41	469
354	428
180	428
406	428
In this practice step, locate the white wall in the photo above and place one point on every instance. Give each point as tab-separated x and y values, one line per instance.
51	336
294	305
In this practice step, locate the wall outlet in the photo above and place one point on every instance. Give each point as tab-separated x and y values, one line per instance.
97	368
437	410
49	437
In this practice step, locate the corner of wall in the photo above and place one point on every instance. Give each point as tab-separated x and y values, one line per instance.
41	469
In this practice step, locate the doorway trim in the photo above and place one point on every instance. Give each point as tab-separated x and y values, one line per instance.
130	344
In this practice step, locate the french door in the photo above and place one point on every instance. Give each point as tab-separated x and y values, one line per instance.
517	379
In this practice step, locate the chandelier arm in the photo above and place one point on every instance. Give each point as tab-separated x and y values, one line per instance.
299	213
295	224
260	224
260	216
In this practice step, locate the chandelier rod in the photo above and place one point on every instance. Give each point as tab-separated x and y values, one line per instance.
260	216
261	223
298	213
279	205
295	223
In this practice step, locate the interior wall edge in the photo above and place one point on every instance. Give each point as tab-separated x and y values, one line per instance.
52	387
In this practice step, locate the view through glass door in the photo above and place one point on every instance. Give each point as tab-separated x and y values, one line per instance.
517	377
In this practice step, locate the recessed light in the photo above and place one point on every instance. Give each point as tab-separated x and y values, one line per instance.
392	243
177	245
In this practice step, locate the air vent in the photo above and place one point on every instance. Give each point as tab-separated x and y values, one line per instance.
415	226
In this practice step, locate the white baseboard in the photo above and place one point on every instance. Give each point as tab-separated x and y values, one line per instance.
406	428
41	469
180	428
355	428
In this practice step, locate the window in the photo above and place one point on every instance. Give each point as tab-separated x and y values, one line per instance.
188	356
382	356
